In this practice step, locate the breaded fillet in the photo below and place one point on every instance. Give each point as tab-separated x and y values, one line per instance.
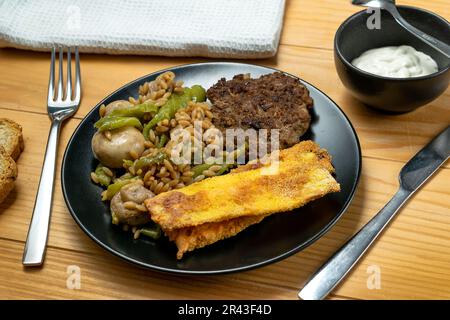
221	206
191	238
304	175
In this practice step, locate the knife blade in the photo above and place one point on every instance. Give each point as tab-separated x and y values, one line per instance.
412	176
426	162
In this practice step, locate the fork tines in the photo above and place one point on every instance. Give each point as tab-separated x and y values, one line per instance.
59	96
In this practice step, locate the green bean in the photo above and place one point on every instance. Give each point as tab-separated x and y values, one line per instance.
116	186
147	161
227	167
173	104
102	121
224	169
112	123
154	233
102	177
137	111
162	141
198	93
128	163
99	123
198	169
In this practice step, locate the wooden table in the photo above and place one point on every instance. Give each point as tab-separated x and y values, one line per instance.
413	255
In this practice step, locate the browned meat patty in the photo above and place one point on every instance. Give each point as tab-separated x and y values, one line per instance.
273	101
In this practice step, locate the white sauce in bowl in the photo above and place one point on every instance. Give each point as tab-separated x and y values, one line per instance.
396	62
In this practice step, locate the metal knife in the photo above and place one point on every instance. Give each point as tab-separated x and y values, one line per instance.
412	176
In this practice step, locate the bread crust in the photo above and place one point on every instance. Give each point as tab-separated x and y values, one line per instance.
15	144
8	174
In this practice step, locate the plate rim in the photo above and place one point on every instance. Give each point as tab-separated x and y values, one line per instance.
266	262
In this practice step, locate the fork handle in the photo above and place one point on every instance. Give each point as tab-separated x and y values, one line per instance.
38	231
335	269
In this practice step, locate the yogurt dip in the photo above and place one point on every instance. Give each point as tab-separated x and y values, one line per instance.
396	62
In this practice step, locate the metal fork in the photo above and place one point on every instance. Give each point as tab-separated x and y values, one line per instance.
60	106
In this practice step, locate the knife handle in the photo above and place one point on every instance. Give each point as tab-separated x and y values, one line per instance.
334	270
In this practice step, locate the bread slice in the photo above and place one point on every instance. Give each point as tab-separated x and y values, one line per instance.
8	174
11	138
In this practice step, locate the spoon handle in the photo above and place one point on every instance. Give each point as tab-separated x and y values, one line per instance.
432	41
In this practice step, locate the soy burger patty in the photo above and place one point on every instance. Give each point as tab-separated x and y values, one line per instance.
273	101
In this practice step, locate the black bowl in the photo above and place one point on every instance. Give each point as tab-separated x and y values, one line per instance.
391	94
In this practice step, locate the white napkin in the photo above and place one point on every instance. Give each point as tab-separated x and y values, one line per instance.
208	28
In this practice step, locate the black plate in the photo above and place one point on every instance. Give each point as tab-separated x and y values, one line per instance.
275	238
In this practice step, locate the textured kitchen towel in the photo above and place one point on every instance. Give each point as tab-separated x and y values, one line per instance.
209	28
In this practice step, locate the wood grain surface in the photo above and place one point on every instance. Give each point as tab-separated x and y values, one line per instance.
413	254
